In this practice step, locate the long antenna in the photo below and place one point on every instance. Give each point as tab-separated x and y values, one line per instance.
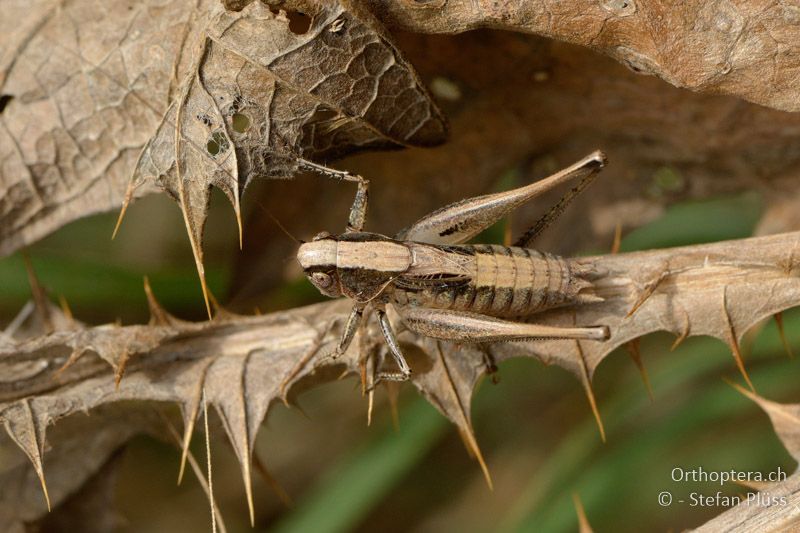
278	223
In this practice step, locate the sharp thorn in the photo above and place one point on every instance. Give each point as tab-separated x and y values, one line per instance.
370	405
782	333
197	252
733	342
44	489
648	291
634	350
206	297
248	489
737	355
120	370
261	468
40	301
362	366
195	468
679	340
189	422
65	309
475	450
587	386
615	246
29	436
239	225
747	393
204	288
123	209
595	411
187	439
208	465
73	357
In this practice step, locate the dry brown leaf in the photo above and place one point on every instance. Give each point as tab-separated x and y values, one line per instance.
222	97
738	47
260	96
82	88
246	363
71	459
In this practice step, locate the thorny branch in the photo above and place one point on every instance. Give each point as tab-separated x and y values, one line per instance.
245	363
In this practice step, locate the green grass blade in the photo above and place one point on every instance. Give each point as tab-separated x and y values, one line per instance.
348	491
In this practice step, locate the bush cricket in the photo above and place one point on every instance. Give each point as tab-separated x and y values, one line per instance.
444	289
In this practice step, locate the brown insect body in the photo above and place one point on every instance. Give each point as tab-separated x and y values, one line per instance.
448	290
492	280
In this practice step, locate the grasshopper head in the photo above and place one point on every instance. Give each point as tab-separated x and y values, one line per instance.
318	259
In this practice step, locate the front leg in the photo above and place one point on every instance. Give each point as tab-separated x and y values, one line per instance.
350	328
358	211
463	326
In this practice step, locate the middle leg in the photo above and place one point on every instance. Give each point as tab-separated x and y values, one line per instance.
394	348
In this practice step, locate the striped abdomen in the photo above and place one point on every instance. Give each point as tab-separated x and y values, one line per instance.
497	281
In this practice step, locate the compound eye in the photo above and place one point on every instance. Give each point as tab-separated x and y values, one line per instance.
322	280
321	235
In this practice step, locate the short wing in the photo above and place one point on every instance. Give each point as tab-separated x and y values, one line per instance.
460	221
440	281
437	266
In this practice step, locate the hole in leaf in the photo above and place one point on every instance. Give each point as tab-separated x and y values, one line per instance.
299	23
217	144
212	147
240	122
4	100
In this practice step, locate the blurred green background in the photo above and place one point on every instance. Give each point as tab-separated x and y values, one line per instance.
534	427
